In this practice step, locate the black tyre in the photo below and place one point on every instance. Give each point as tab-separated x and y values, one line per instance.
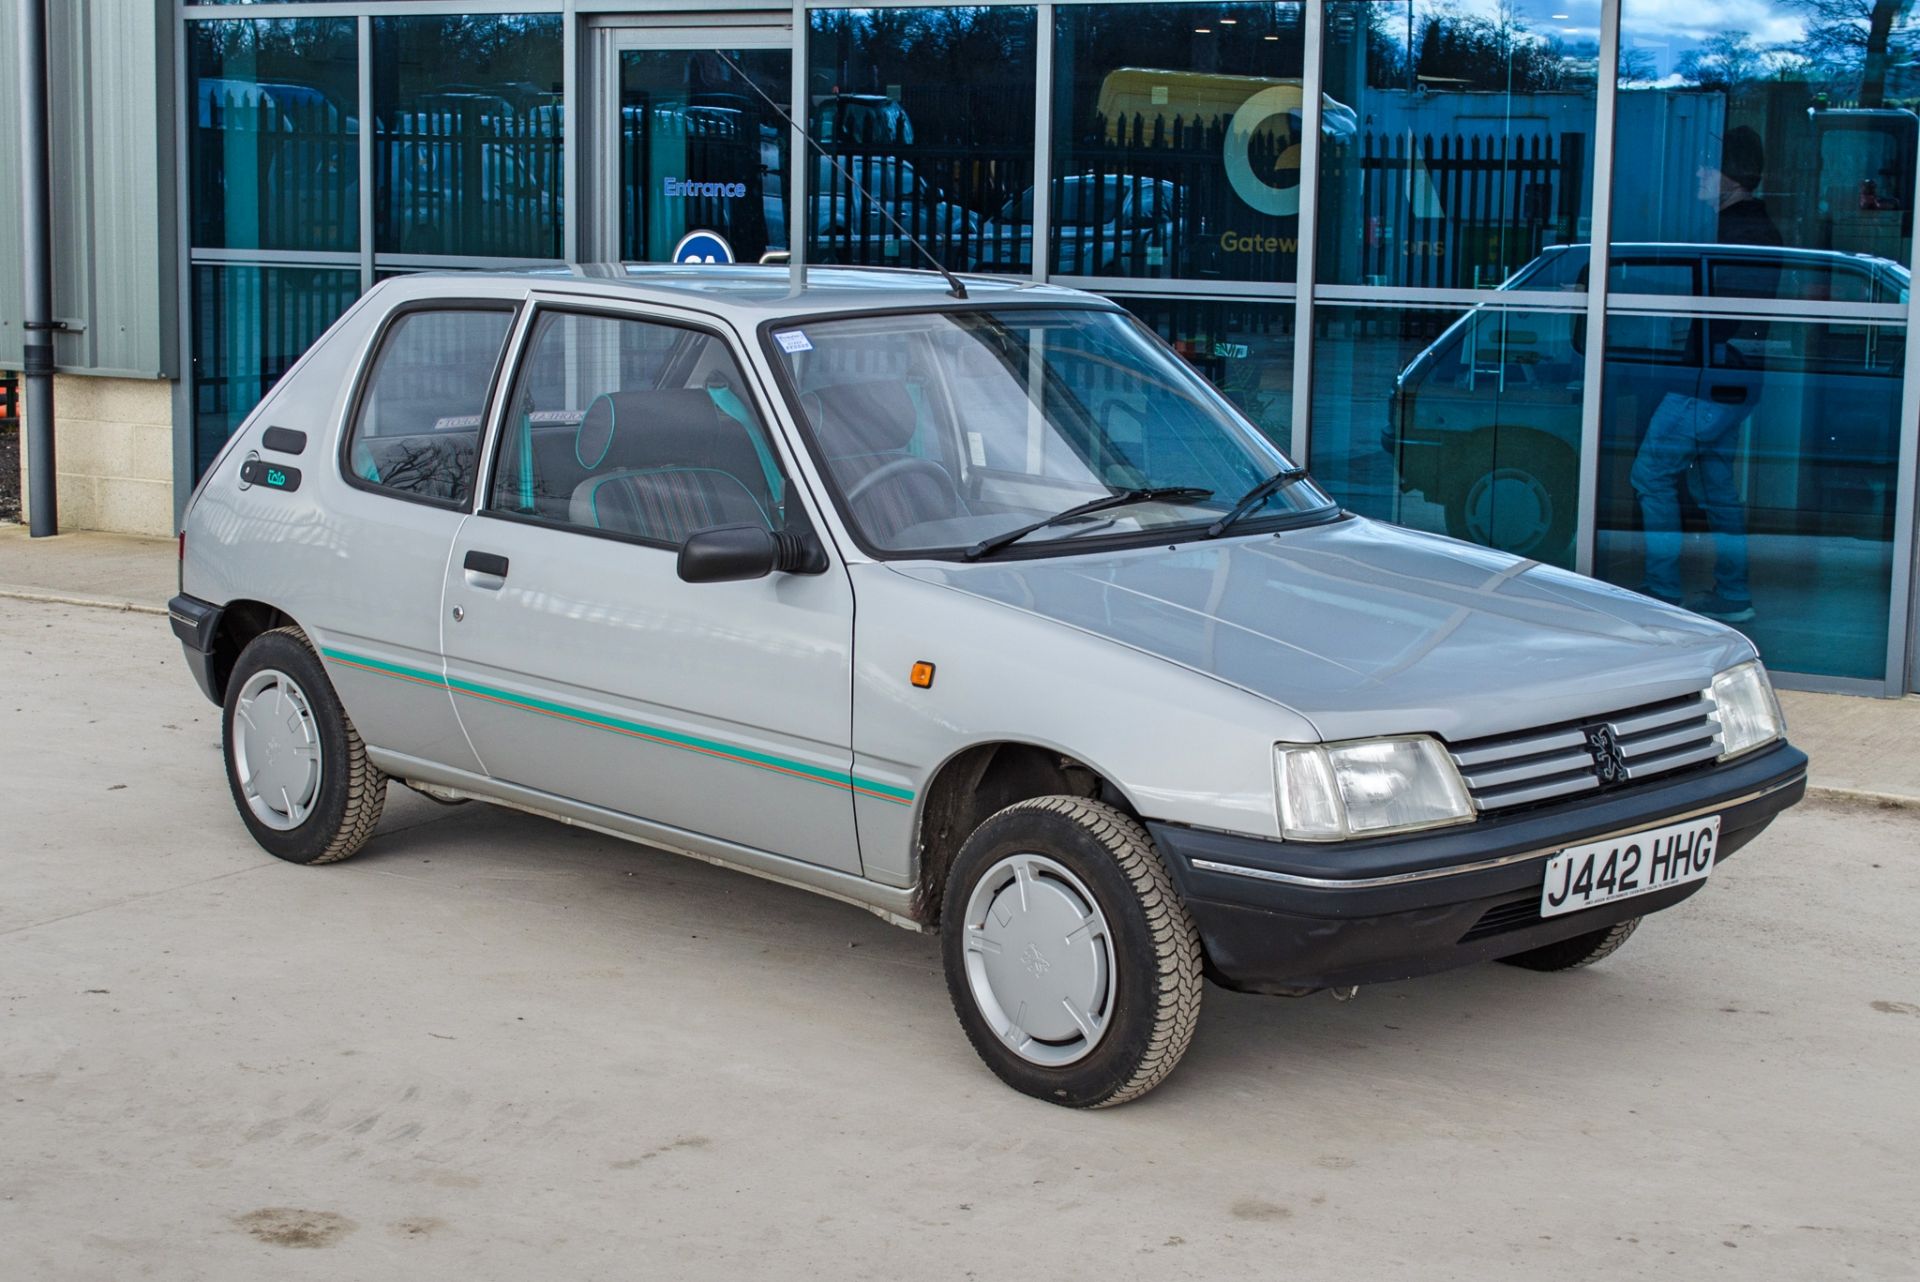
298	771
1581	950
1525	503
1071	961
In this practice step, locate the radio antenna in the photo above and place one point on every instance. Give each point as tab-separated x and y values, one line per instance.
954	285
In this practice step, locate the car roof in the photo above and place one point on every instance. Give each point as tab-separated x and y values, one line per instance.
1687	249
751	293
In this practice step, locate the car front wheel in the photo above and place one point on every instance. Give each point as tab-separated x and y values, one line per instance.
297	769
1072	964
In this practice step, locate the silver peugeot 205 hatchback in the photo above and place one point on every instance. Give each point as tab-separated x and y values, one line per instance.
971	604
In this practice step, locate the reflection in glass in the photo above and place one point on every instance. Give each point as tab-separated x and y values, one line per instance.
1004	418
928	115
700	148
1785	125
273	143
250	324
1748	470
1244	349
467	135
1467	424
1177	142
420	412
1473	144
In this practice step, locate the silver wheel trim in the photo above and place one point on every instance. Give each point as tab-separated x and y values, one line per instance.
1039	960
275	744
1492	501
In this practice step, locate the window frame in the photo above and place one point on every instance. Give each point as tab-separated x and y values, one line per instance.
498	415
363	382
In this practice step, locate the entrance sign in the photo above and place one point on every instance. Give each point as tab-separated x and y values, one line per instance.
702	246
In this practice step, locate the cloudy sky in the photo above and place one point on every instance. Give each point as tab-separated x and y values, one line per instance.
1666	29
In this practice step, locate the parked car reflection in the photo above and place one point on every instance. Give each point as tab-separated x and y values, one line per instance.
1486	420
1100	225
853	197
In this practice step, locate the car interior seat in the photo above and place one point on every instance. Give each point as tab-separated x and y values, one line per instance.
663	464
863	427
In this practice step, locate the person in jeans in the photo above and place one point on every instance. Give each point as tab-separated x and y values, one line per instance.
1692	432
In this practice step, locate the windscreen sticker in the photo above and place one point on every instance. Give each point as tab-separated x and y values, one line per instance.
793	340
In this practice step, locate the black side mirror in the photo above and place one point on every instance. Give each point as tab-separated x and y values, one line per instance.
730	553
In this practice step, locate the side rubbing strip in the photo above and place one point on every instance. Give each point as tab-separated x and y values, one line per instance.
634	729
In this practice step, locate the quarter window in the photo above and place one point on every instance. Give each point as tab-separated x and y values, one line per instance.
634	428
417	429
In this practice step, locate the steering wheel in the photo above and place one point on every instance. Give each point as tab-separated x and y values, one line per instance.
898	467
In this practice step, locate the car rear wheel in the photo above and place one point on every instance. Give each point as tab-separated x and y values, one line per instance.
1581	950
1071	962
297	769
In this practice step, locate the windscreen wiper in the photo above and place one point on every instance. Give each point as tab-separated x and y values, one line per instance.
1122	498
1254	497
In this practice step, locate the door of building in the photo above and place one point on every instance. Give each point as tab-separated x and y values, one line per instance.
691	139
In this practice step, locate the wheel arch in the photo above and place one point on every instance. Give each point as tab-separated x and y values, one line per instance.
981	780
240	622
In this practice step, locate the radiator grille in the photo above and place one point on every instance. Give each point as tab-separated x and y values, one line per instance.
1531	766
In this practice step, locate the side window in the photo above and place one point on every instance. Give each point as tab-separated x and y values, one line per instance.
1652	339
636	428
416	430
1653	276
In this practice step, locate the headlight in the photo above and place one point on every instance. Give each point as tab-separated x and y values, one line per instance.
1369	786
1749	714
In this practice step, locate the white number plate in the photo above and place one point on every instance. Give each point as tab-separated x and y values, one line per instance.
1620	867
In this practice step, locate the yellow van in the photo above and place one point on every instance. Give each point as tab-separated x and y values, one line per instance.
1156	94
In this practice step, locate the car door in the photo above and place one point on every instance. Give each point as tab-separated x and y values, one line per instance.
409	458
582	665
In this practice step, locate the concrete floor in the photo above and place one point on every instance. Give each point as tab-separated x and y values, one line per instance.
496	1047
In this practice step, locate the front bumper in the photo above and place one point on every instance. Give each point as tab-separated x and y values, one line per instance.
1293	917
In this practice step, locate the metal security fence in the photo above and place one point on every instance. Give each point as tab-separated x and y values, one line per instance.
252	324
961	202
273	174
472	182
700	141
1455	211
1149	197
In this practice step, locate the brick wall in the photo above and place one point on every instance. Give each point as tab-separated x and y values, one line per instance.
113	451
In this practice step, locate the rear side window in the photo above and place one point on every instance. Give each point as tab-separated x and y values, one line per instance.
416	430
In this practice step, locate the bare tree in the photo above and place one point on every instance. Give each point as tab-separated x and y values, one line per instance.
1864	38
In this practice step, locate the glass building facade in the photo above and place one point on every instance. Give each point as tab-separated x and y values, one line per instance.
1601	282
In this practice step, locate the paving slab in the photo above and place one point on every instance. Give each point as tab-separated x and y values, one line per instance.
119	571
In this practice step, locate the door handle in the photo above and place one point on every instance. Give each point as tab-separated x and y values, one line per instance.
486	565
1722	394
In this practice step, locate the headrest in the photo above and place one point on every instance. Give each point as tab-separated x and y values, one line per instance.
663	418
863	418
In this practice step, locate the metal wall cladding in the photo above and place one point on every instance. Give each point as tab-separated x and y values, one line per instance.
110	73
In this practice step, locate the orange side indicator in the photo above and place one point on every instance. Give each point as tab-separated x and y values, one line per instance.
922	676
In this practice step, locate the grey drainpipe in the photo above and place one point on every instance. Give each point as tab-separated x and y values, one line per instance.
37	269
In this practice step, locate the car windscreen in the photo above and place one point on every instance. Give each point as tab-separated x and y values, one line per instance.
941	430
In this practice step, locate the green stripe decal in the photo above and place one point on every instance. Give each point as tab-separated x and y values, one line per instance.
618	725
